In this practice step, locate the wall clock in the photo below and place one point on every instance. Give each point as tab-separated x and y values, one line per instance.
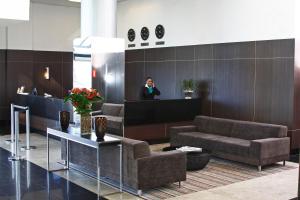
159	31
145	33
131	35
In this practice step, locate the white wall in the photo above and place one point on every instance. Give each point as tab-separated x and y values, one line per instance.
51	28
189	22
2	38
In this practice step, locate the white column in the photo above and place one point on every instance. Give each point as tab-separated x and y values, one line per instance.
98	18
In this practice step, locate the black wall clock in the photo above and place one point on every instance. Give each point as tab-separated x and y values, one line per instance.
131	35
145	33
159	31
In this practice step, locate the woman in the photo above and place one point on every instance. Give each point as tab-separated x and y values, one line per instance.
149	91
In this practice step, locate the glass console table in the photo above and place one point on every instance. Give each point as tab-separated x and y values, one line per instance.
73	134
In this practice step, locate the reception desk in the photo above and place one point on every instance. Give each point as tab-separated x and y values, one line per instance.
150	119
44	111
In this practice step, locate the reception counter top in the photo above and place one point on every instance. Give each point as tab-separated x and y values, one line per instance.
46	107
161	111
44	111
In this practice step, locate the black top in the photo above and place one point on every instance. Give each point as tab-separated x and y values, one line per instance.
145	95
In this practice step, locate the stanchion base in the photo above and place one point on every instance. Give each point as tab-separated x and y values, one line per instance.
9	141
15	158
24	148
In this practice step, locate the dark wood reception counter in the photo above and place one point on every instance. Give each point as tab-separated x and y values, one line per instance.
150	119
44	111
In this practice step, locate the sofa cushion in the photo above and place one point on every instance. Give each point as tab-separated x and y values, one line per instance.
111	109
253	130
232	145
196	139
215	142
212	125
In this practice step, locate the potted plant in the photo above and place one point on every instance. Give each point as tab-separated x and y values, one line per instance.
188	88
82	99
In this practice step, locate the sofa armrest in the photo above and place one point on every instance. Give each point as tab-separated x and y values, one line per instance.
270	147
161	168
180	129
97	112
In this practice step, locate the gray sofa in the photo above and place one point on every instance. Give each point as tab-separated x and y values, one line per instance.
115	115
253	143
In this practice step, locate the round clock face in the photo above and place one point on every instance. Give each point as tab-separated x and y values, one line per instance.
131	35
159	31
145	33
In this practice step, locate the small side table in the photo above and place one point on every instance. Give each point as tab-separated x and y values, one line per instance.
195	160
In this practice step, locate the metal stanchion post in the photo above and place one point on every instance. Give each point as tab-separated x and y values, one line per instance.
28	147
12	132
16	156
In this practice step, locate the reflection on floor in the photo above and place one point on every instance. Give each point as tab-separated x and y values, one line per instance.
262	188
25	180
38	157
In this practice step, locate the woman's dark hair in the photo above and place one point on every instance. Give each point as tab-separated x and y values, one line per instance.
149	77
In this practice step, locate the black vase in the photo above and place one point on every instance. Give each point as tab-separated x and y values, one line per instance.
100	127
64	118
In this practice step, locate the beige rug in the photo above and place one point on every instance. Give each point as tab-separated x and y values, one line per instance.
217	173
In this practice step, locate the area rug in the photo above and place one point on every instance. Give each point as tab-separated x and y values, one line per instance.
217	173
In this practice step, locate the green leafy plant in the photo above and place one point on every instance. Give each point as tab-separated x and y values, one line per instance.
188	85
82	99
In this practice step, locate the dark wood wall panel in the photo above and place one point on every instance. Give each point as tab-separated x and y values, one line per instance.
183	70
52	86
67	77
134	79
233	89
3	107
160	54
204	72
274	91
275	48
18	74
25	68
163	74
255	81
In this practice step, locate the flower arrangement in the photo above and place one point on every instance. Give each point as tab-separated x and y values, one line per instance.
82	99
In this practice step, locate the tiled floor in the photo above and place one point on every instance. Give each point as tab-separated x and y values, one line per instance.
24	180
279	186
38	157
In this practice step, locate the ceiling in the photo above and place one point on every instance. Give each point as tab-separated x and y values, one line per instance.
61	2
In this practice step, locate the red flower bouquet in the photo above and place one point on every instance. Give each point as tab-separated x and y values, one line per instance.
82	99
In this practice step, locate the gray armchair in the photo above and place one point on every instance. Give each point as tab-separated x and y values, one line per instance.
144	169
115	115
